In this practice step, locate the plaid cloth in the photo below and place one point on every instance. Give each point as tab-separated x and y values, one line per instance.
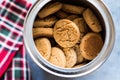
13	64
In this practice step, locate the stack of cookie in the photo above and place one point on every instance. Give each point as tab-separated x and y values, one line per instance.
67	35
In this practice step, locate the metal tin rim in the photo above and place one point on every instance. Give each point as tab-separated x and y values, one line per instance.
90	67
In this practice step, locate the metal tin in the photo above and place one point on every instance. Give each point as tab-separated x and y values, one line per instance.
103	14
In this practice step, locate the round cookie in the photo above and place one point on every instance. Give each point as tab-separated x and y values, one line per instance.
49	9
57	57
71	57
44	47
92	20
91	45
66	33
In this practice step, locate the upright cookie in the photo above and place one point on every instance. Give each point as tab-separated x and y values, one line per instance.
80	58
73	9
47	22
92	20
91	45
49	9
82	26
57	57
44	47
66	33
72	17
38	32
71	57
61	14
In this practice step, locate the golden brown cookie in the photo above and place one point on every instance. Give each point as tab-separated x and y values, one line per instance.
49	9
60	14
81	25
44	47
71	57
47	22
66	33
38	32
73	9
92	20
72	17
58	57
80	58
91	45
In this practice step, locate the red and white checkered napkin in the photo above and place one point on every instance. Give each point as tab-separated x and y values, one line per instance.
12	52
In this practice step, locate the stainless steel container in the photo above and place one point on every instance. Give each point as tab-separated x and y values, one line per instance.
102	13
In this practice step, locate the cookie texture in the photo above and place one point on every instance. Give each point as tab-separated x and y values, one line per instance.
57	57
80	58
92	20
72	17
44	47
71	57
61	14
46	22
82	27
91	45
49	9
39	32
66	33
73	9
